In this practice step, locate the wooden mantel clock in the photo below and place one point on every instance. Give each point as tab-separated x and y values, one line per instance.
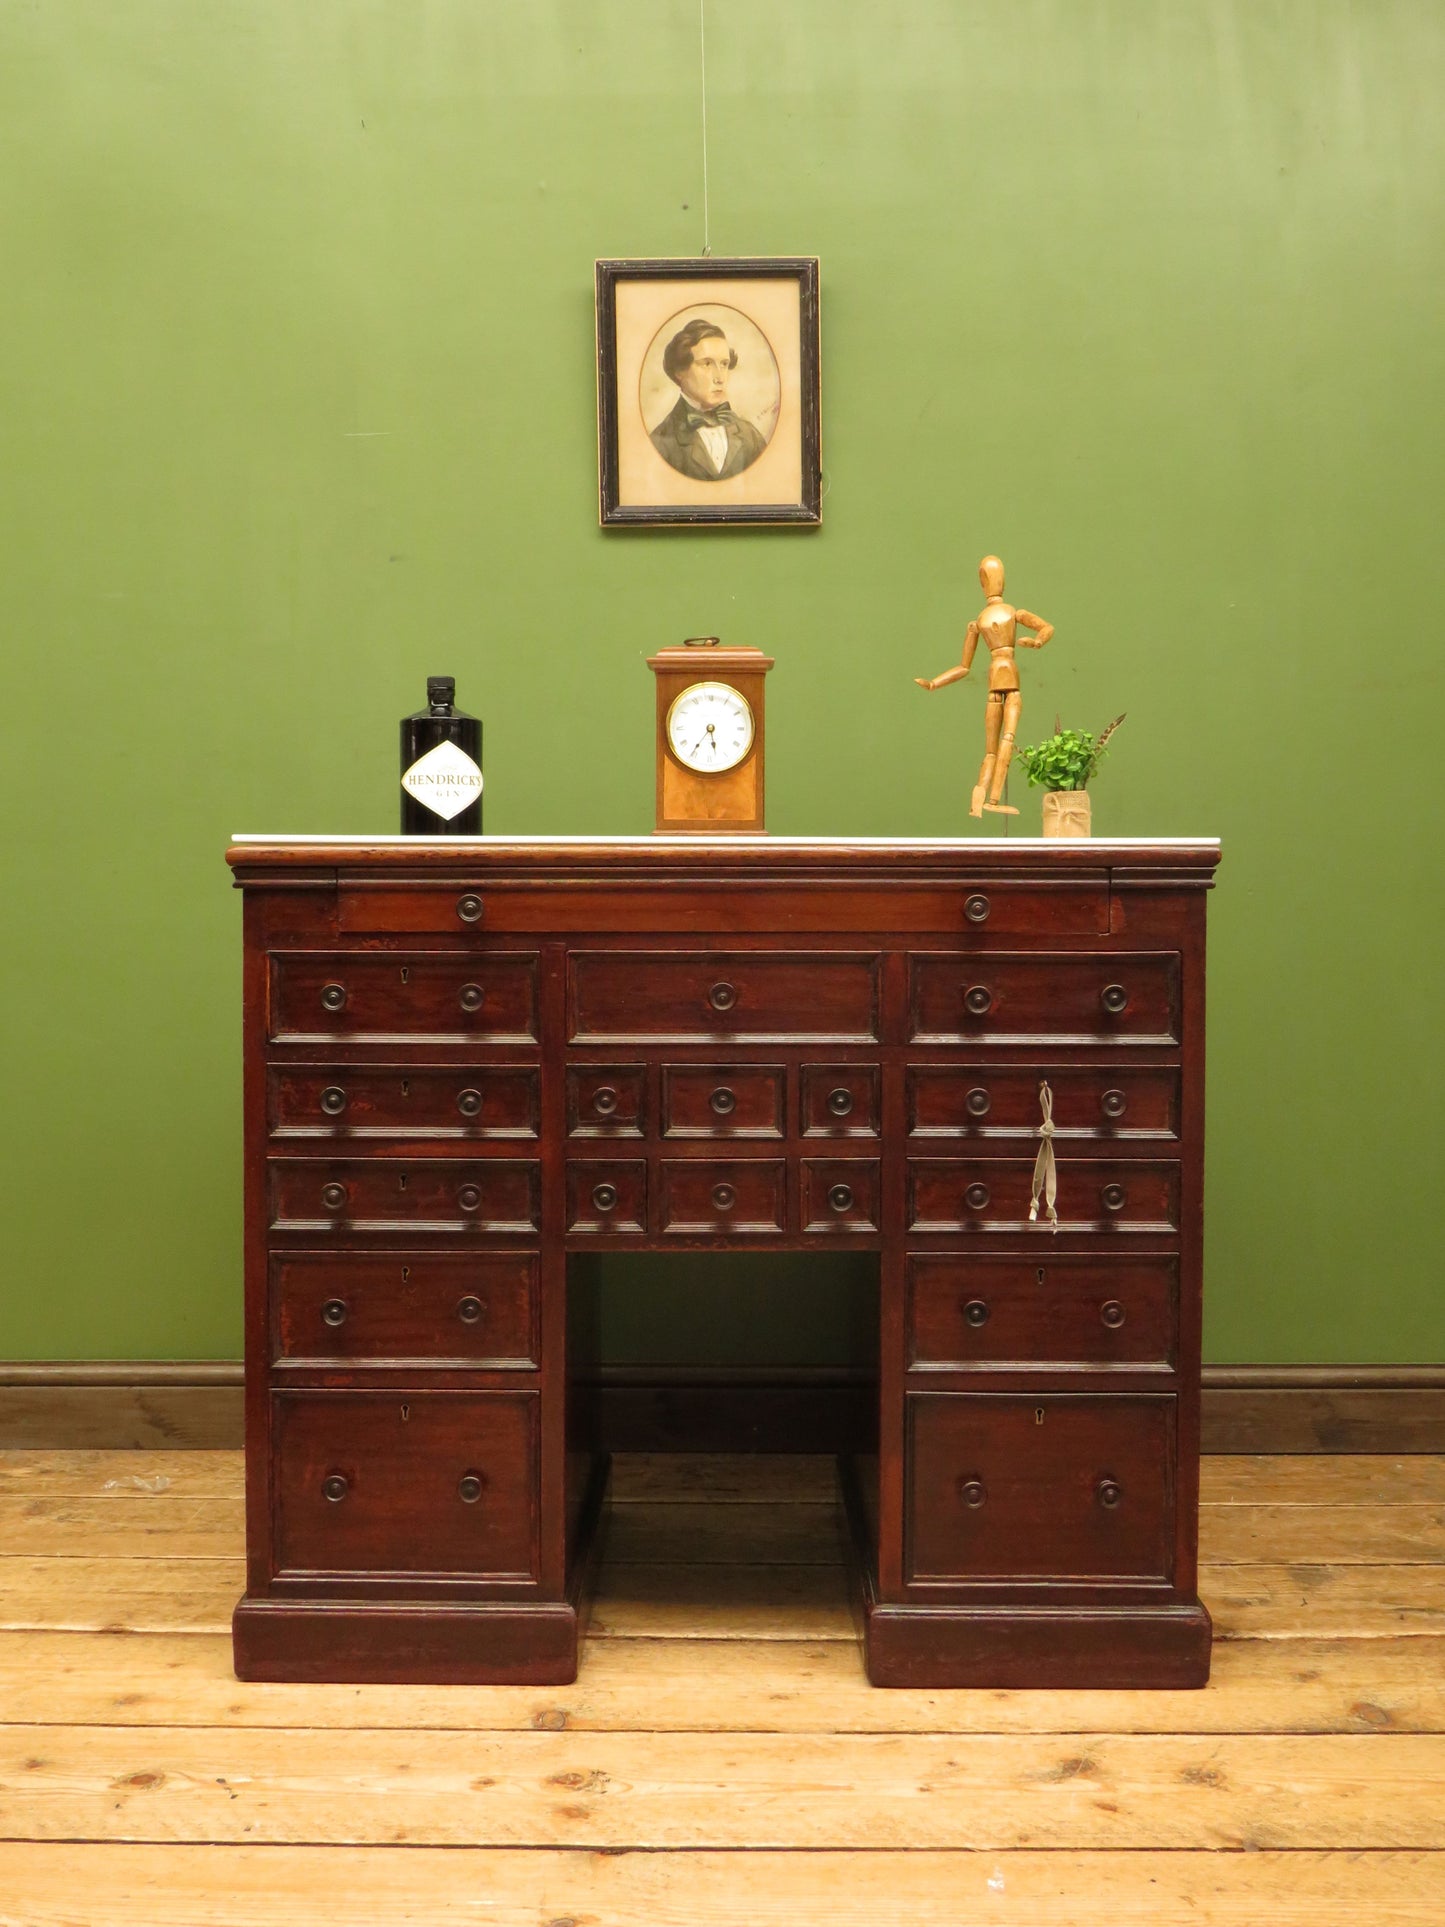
709	738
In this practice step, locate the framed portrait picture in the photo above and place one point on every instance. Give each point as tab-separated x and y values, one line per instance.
707	392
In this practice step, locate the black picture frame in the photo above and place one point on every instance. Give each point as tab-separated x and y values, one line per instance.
797	414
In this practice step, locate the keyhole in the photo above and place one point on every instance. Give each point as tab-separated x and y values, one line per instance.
1041	1274
406	1274
401	1183
405	974
1038	1415
405	1413
406	1087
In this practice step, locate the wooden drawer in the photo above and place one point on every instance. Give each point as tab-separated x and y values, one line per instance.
992	1194
368	997
607	1195
736	1197
395	1194
840	1100
341	1101
722	1100
840	1194
606	1100
760	997
994	1100
997	997
1002	1487
996	1312
340	1308
406	1482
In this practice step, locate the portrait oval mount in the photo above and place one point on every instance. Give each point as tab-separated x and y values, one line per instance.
707	385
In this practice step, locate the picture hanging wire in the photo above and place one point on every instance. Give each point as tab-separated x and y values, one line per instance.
702	55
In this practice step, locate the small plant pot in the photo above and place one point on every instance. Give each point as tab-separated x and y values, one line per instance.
1066	813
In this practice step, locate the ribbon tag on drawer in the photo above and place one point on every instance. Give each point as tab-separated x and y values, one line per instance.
1046	1171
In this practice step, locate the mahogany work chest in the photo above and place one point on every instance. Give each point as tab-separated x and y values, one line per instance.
467	1062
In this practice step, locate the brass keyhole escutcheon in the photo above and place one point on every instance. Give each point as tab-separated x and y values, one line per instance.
401	1182
1041	1274
405	1413
406	1274
405	974
1038	1415
406	1087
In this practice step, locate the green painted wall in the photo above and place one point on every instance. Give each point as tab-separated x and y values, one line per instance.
296	346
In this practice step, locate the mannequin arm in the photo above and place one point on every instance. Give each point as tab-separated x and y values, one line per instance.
960	670
1045	629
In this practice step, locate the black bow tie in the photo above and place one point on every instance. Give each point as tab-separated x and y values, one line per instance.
717	417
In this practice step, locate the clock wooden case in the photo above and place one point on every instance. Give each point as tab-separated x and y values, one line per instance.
706	801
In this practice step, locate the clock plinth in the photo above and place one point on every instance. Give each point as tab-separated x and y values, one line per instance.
698	790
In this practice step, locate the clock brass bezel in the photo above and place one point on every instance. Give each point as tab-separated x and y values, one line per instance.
727	688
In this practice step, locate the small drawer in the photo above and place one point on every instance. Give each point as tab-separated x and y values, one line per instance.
460	1195
840	1100
966	1312
1073	907
441	1308
406	1482
607	1195
370	997
1002	1487
452	908
761	997
722	1100
606	1100
994	1100
840	1194
340	1101
998	997
742	1197
992	1194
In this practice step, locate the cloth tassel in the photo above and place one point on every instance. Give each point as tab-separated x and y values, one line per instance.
1046	1171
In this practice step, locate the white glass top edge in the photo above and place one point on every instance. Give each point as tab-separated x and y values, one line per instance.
745	842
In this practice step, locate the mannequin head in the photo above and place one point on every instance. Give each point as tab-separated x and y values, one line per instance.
990	574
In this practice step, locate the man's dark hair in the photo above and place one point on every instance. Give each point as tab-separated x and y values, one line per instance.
677	355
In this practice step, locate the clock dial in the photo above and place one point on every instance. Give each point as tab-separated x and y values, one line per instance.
710	727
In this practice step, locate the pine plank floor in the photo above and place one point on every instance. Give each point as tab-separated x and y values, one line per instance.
721	1760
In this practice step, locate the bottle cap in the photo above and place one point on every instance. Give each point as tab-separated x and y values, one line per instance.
441	689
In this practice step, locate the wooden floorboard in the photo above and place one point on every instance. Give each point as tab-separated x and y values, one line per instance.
720	1760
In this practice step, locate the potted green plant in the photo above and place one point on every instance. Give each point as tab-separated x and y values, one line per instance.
1063	765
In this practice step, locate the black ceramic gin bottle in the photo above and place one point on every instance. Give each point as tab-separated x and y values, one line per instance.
441	766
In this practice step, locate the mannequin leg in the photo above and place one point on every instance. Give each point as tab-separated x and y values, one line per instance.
992	724
1012	706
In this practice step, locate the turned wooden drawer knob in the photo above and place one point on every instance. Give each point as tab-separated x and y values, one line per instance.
1113	1104
722	996
469	1103
1112	1314
333	1196
333	996
1114	1197
976	1197
977	1102
840	1102
335	1487
976	909
470	1310
333	1100
469	1488
723	1101
978	1000
975	1313
1110	1493
333	1312
604	1196
604	1101
1114	998
469	908
972	1492
471	997
840	1196
469	1196
724	1197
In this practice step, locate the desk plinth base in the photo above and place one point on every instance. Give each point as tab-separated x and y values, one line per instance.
392	1643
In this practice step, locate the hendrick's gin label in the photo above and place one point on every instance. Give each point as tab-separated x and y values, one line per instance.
441	766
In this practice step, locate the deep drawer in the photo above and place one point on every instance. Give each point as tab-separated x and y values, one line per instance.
341	1101
992	1194
998	997
722	1100
993	1100
840	1100
413	1194
398	1482
1002	1487
337	1308
736	1197
754	997
370	997
840	1194
965	1311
